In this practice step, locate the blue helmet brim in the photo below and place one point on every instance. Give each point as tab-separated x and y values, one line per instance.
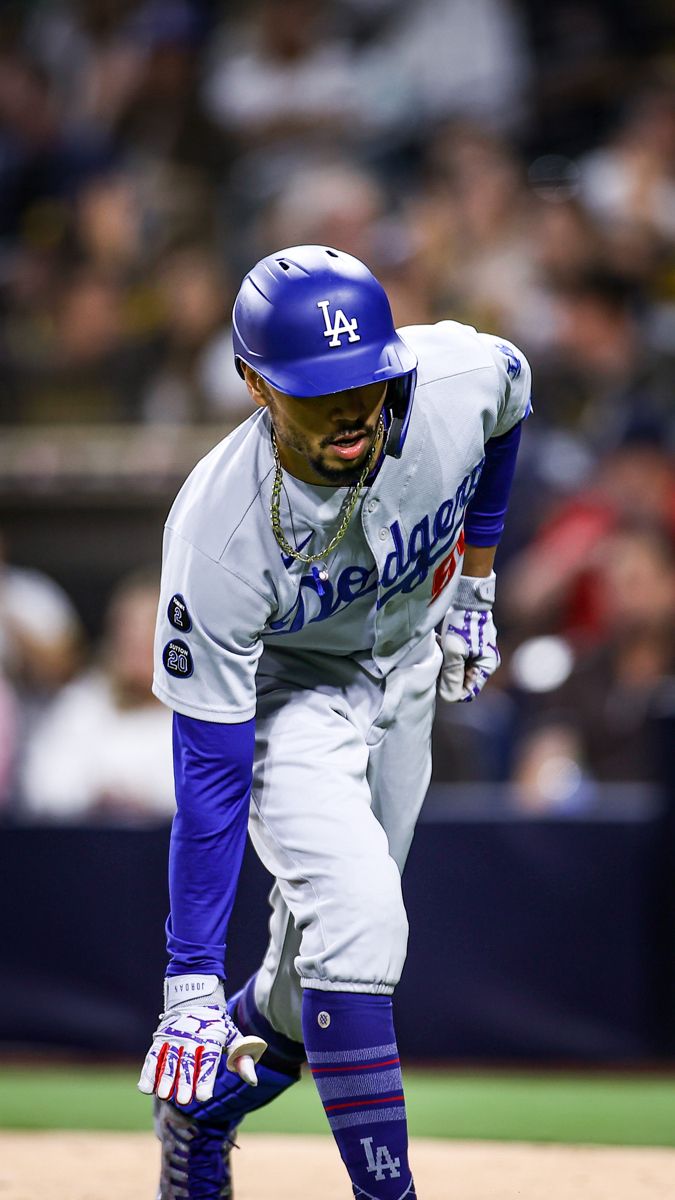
357	367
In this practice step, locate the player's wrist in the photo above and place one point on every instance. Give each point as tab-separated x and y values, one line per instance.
478	561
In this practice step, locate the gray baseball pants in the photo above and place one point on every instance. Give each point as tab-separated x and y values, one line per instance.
343	762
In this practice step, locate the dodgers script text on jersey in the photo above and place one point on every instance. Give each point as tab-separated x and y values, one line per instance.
434	538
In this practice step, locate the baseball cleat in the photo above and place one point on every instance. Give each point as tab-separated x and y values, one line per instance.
195	1157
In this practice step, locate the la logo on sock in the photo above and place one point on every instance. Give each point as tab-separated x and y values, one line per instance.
381	1161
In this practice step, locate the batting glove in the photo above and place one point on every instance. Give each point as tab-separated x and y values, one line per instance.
469	640
193	1032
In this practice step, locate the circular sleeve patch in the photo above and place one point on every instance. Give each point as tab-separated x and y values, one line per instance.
177	659
178	614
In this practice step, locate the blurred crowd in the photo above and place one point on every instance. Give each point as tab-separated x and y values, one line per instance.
499	162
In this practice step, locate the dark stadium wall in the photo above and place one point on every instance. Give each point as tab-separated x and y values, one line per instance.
547	940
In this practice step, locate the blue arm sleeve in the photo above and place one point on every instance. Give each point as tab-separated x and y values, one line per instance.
213	765
485	514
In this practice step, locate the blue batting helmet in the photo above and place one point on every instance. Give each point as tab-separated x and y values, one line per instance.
312	320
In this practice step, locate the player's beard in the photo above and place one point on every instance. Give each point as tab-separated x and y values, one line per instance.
340	475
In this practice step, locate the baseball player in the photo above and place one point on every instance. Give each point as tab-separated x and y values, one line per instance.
308	561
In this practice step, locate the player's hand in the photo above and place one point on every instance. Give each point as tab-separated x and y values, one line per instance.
192	1034
468	641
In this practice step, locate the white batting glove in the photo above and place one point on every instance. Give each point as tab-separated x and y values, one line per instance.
193	1032
469	640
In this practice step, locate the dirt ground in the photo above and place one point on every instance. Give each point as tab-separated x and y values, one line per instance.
123	1166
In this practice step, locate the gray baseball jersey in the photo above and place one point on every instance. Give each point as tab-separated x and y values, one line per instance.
228	593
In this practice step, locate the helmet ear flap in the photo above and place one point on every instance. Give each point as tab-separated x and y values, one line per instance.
398	404
394	443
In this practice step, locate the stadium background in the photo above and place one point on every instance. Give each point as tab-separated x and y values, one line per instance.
504	163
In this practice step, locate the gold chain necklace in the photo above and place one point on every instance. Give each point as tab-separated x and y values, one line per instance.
347	510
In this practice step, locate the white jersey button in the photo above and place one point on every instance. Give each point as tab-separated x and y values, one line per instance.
371	506
383	535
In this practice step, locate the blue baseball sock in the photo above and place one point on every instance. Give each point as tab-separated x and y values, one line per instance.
278	1068
351	1049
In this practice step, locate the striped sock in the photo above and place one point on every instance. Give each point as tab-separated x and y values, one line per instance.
351	1049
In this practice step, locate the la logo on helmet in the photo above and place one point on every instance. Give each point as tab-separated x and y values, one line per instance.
340	326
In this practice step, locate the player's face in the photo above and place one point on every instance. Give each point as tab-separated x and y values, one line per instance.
323	439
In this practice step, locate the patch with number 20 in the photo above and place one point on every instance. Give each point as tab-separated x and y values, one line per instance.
177	659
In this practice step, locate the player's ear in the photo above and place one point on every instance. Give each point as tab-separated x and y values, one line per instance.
257	388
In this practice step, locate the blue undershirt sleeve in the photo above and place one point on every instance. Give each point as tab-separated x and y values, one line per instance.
486	512
213	765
